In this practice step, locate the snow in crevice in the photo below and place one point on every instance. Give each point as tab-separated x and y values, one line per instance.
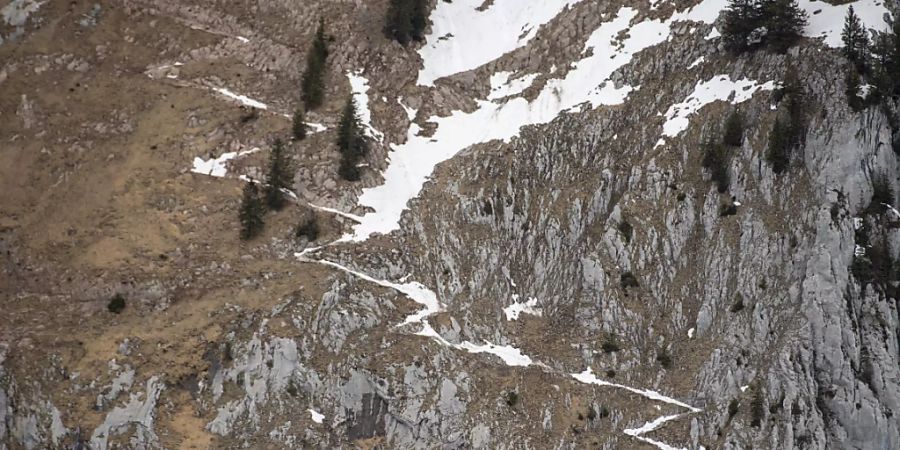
242	99
217	167
513	311
638	433
588	377
416	292
720	87
338	212
510	355
359	85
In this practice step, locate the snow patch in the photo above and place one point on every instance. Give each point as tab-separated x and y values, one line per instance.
697	62
243	99
502	86
827	20
464	37
588	377
529	307
720	87
316	416
511	356
216	167
416	291
360	87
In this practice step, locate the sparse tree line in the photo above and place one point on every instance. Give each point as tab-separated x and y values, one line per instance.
875	61
271	195
754	24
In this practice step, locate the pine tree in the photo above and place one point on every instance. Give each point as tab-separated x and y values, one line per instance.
351	142
778	154
419	19
298	125
795	99
406	20
279	177
313	84
716	159
251	212
784	21
741	19
852	90
856	41
734	130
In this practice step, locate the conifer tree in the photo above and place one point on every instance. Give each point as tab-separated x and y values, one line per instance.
313	84
351	142
251	212
734	130
852	90
795	99
856	41
741	18
279	177
778	154
784	21
298	125
406	20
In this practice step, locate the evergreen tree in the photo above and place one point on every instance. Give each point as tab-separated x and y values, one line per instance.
784	21
279	176
734	130
778	154
251	212
885	75
856	41
852	80
795	99
351	142
298	125
313	84
406	20
716	159
741	19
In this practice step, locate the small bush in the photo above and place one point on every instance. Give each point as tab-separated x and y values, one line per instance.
610	343
882	193
591	414
610	373
716	159
734	130
604	412
757	408
116	304
308	228
628	280
662	356
778	153
626	229
738	304
511	398
727	209
733	408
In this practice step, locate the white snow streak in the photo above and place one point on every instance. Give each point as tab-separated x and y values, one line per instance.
588	377
216	167
416	291
359	85
243	99
720	87
638	433
511	356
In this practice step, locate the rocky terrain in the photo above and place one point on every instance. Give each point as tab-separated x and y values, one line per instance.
537	255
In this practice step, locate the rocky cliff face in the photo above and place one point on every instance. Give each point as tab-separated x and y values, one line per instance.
536	256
